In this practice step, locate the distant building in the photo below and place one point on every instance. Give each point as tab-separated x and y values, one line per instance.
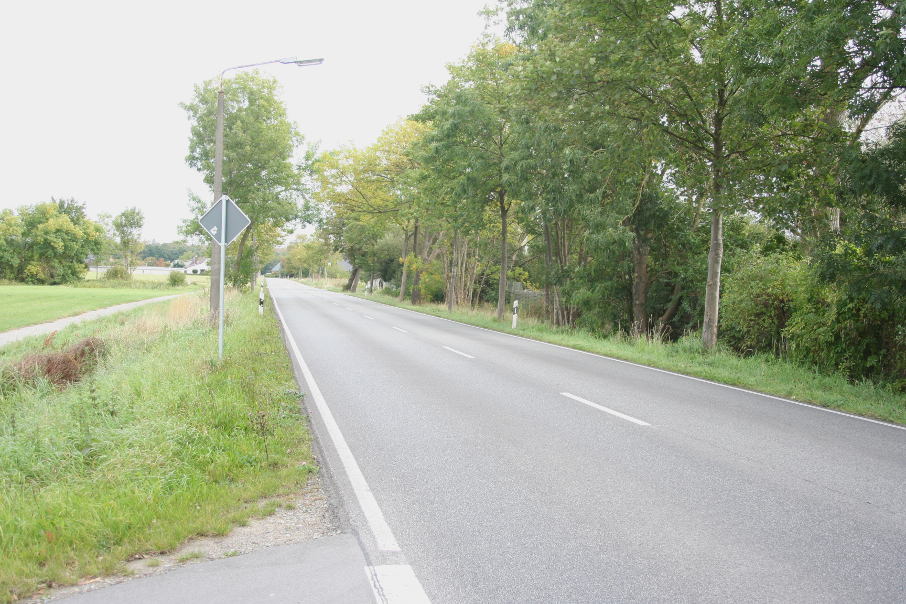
196	268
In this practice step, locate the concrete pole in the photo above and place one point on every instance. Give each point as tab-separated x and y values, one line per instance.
223	207
217	259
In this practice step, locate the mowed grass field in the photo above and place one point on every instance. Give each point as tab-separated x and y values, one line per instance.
31	304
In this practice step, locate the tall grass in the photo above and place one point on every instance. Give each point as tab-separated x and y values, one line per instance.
160	443
140	279
761	373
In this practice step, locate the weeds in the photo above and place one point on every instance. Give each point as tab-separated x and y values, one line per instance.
261	424
154	447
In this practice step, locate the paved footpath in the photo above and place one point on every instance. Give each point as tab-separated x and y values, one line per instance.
329	570
14	335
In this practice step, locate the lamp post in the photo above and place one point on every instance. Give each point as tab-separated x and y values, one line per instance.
218	261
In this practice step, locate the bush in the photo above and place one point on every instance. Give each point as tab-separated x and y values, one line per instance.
758	300
35	274
177	278
117	273
838	331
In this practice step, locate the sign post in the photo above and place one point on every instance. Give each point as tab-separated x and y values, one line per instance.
515	313
223	222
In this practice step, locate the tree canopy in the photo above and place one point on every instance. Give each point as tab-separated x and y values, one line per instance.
47	243
265	162
629	166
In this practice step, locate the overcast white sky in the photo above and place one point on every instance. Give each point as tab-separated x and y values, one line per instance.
91	90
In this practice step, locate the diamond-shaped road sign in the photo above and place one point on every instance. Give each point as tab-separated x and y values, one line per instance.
236	221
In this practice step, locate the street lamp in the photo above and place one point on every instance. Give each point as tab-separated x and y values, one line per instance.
219	260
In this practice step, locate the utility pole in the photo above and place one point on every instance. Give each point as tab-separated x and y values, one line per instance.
218	261
216	252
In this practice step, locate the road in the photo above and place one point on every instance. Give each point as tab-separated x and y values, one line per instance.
482	467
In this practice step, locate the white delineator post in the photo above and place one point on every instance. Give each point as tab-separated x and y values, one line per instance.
261	300
515	313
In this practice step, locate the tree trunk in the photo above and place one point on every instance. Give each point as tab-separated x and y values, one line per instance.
716	248
451	281
640	282
673	306
416	288
353	281
712	289
256	265
501	284
479	289
405	274
548	261
240	249
417	274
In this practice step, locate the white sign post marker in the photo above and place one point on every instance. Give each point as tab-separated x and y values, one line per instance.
515	313
223	222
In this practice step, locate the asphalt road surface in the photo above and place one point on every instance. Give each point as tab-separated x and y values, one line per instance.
481	467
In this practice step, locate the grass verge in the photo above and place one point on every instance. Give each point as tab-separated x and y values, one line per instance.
31	304
760	373
158	444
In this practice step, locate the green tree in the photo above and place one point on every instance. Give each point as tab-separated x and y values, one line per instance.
10	244
169	251
701	73
127	226
47	243
265	161
374	185
472	137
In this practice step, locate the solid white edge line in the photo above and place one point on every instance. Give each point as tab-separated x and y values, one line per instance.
384	537
400	329
628	418
468	356
396	584
668	372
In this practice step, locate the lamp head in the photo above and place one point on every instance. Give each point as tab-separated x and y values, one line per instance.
301	62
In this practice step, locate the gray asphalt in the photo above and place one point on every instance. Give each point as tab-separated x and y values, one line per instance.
501	489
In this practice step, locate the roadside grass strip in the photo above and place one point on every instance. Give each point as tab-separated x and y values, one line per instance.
31	304
759	373
156	445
